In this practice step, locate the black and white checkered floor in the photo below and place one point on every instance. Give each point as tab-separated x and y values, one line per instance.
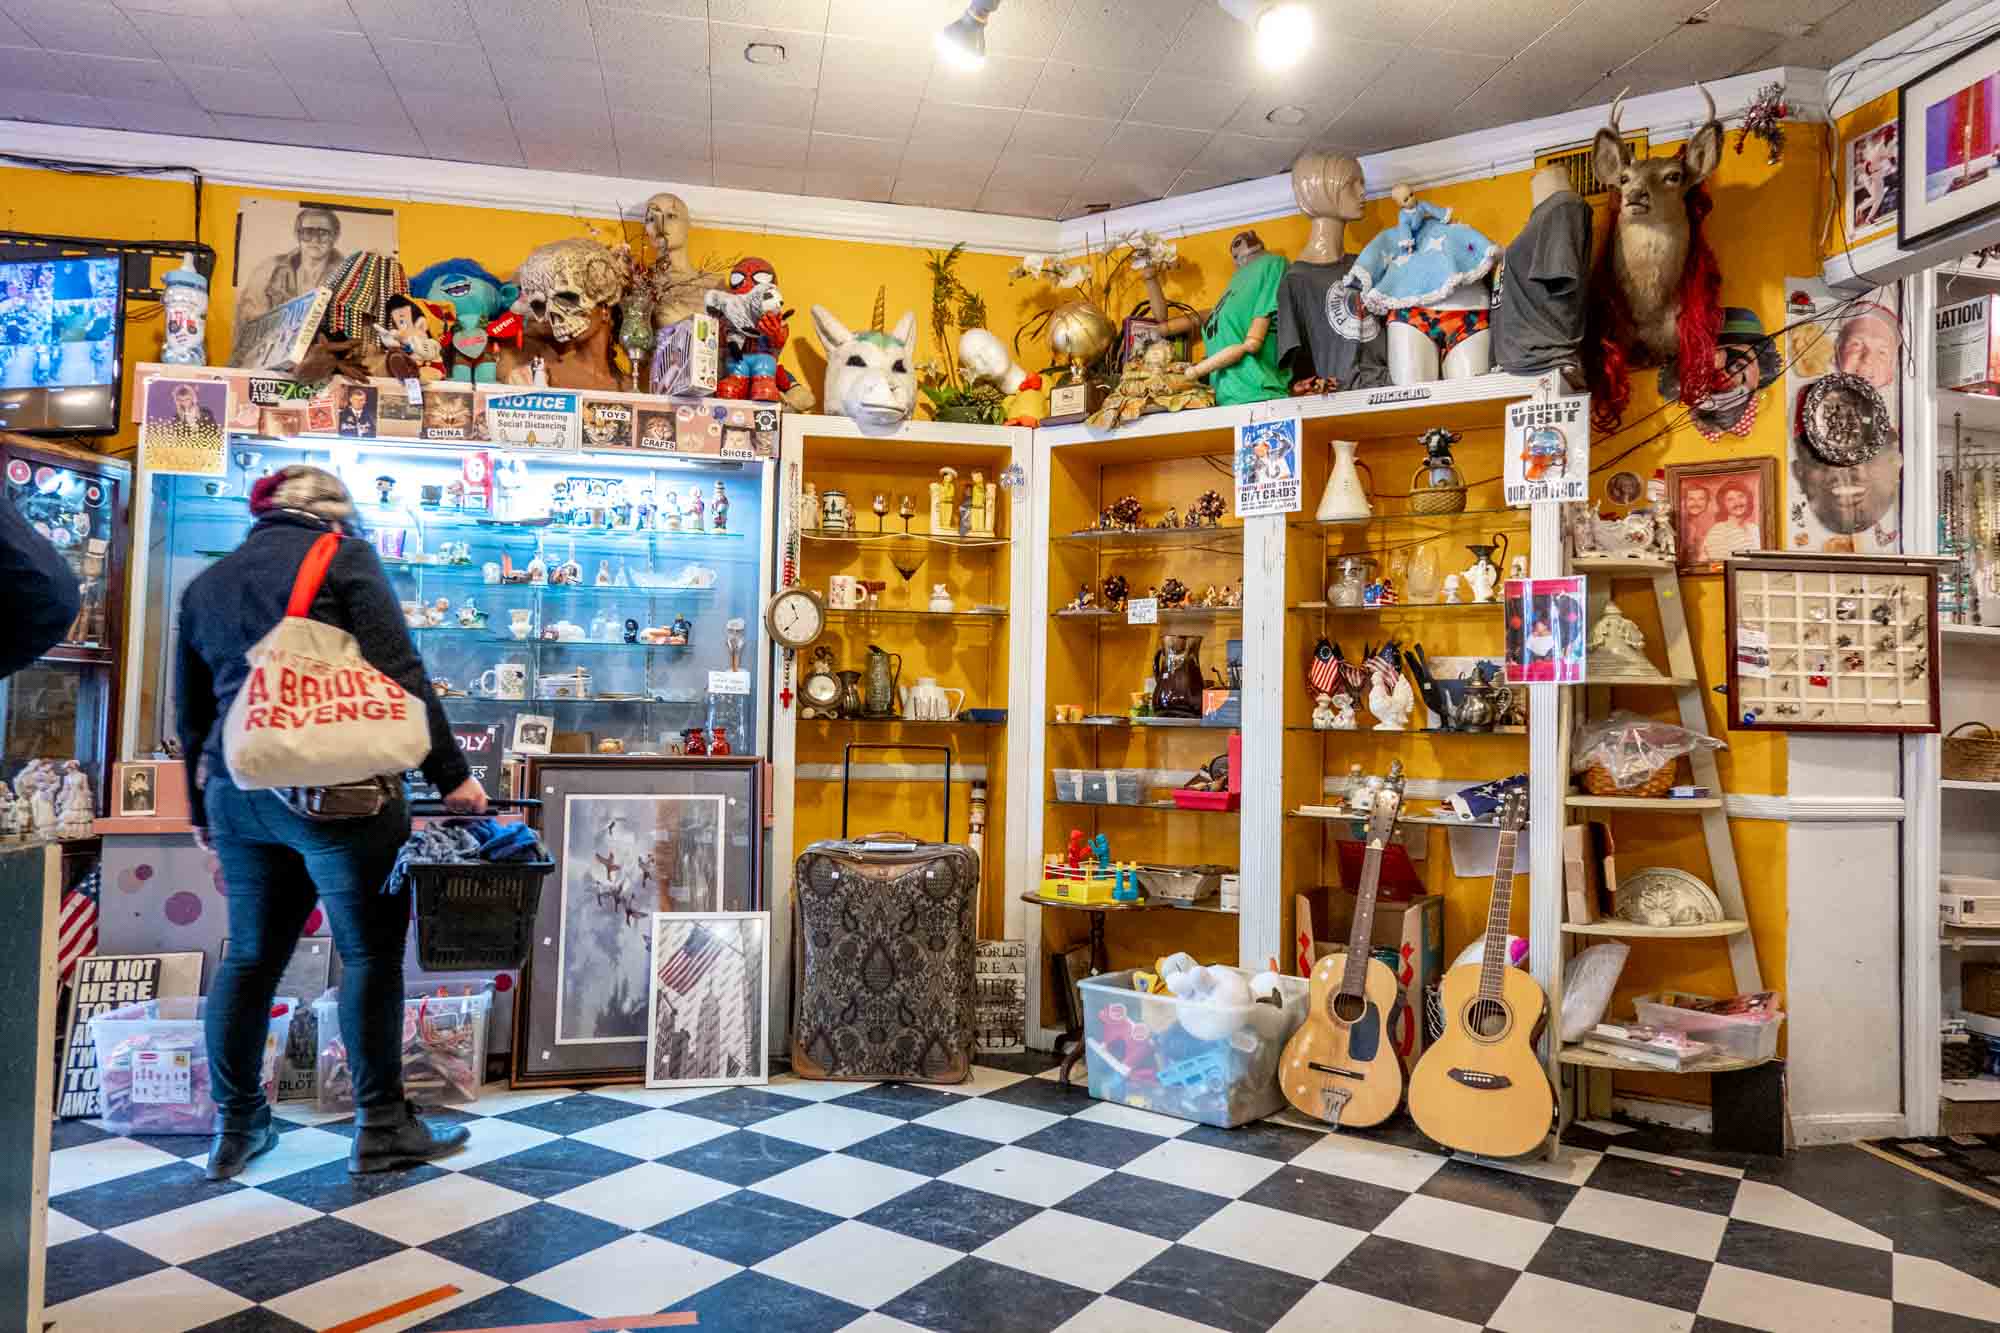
1003	1205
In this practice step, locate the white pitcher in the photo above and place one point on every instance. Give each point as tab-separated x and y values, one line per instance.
1345	499
927	701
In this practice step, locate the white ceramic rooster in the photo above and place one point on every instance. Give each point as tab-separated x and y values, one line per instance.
1391	698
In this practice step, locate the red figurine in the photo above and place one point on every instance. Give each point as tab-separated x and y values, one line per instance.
1077	850
694	742
718	741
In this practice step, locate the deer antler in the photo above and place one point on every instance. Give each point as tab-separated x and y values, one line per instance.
1618	106
1708	99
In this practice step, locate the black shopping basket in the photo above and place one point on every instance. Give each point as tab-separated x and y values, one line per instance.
475	916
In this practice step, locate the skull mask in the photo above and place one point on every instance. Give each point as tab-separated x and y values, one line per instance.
569	286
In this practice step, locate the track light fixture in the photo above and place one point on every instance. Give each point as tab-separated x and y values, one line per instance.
1282	29
962	43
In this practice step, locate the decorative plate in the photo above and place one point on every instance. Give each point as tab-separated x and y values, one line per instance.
1844	420
1665	896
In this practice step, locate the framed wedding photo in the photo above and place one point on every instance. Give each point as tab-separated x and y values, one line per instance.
1723	509
1948	120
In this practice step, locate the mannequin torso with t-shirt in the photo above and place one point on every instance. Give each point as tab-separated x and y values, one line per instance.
1327	340
1539	302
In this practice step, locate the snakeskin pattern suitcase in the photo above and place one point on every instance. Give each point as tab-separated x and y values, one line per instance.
886	929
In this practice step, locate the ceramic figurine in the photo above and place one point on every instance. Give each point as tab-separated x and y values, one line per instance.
75	808
1451	590
1391	698
1517	568
1617	646
1207	510
718	741
1170	519
1115	590
385	490
1343	712
833	516
809	507
10	813
1154	382
695	508
1083	601
435	613
734	636
985	501
752	313
670	510
941	598
603	579
1482	577
470	616
631	630
694	741
944	501
620	505
644	512
1322	718
680	631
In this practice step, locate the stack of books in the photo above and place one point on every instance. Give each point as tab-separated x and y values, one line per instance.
1657	1048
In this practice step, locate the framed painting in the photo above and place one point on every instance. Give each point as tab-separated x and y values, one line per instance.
631	837
1832	643
1948	121
711	991
1723	509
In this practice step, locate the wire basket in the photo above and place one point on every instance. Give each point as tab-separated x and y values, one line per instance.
1972	758
1597	780
476	915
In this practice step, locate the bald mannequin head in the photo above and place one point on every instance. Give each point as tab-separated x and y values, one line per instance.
1330	190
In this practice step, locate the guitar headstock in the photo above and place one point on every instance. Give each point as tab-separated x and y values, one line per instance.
1388	804
1512	812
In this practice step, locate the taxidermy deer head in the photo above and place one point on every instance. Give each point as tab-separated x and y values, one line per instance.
871	376
1651	229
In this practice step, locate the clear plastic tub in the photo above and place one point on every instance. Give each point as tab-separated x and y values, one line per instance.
444	1049
1215	1064
152	1064
1751	1037
1069	784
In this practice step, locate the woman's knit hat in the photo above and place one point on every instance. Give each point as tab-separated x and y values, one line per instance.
309	489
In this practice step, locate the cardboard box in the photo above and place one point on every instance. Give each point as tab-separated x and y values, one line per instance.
1589	872
1979	988
1967	358
687	359
1415	930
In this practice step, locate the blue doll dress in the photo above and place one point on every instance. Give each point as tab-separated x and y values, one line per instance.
1421	260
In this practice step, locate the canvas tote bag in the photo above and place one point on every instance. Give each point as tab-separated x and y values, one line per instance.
313	712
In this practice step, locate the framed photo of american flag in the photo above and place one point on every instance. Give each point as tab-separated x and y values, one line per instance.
710	992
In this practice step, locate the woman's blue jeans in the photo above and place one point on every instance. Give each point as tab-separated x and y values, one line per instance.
275	866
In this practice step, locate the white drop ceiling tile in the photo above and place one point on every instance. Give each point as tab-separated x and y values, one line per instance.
1155	145
332	15
680	9
804	15
1001	81
1212	45
426	20
93	27
595	155
461	115
951	159
1381	123
1520	90
635	134
1033	28
759	145
908	23
498	147
210	41
436	67
847	152
727	43
322	134
1122	34
557	120
1023	203
1786	18
1188	104
874	68
1600	35
1625	81
1496	27
1060	136
303	53
1267	115
1193	182
1246	155
215	9
53	108
1697	50
1086	90
1306	82
157	117
1383	20
655	45
533	79
744	176
841	111
13	34
683	96
873	187
930	191
1036	172
345	103
940	123
762	104
1118	183
652	164
31	69
548	27
239	92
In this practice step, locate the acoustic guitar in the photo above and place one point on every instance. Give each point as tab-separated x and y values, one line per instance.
1340	1066
1481	1087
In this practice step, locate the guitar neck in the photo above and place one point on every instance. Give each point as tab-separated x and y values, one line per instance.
1360	939
1493	957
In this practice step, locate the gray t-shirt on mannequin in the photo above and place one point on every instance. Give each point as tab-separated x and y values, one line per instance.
1323	329
1538	304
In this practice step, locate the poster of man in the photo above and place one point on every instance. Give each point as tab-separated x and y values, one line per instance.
357	411
180	431
1843	510
287	247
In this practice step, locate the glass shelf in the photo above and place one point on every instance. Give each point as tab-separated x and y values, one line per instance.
930	538
830	722
1115	541
1516	732
1188	616
1147	724
834	616
459	520
1140	805
1449	608
1504	517
470	578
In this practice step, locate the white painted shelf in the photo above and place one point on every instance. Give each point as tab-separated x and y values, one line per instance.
1966	784
1986	634
1981	411
1692	804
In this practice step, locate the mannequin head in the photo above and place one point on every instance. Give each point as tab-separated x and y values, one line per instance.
667	222
1550	180
1245	246
1328	185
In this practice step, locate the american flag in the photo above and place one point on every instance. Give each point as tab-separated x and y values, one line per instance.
1327	673
689	963
76	924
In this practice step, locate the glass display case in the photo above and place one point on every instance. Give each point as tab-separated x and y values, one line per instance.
585	602
63	705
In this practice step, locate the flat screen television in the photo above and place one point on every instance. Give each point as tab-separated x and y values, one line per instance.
62	324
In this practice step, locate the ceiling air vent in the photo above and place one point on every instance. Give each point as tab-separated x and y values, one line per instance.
1577	161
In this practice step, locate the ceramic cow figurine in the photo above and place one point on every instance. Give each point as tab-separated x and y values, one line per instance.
870	376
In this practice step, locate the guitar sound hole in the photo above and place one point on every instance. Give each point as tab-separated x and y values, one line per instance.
1486	1019
1349	1008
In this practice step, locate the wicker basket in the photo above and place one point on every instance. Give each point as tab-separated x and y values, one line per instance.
1972	758
1597	780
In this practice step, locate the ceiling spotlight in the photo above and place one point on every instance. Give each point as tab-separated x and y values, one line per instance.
1282	29
962	43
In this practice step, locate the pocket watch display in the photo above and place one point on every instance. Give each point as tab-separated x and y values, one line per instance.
819	692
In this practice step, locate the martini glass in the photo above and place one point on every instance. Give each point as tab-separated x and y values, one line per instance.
908	558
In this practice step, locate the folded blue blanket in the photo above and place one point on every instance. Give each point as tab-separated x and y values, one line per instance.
449	840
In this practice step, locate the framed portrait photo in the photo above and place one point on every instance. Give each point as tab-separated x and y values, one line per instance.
632	838
138	790
710	996
534	733
1948	122
1723	509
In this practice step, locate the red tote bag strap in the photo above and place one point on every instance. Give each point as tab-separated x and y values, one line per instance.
312	573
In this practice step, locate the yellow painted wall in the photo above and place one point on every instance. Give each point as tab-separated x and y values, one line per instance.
841	275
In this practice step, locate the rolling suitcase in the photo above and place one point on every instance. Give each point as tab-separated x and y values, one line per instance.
885	936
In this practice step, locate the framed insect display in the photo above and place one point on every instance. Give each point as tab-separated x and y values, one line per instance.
1832	643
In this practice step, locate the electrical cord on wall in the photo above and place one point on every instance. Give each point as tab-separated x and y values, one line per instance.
112	169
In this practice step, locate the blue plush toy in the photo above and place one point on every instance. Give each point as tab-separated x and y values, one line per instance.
484	314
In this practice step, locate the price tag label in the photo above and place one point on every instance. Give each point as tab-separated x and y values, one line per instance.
729	682
413	390
1142	611
163	1078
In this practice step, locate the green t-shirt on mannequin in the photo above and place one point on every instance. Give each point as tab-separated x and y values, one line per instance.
1252	293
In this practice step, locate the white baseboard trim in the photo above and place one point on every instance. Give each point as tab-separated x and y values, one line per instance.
1816	809
1660	1111
1846	1127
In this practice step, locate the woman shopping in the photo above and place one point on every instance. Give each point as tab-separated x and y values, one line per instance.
276	861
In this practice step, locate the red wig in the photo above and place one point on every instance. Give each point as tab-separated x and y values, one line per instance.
1609	327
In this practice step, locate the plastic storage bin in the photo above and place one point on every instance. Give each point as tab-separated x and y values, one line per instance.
152	1064
1738	1036
444	1049
1069	784
1216	1064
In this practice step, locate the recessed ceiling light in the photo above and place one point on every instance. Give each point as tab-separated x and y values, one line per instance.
1282	29
764	53
1286	115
